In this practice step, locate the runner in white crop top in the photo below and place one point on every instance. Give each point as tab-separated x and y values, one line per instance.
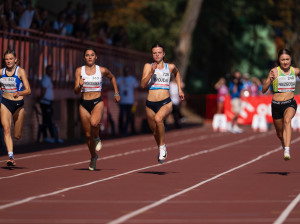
92	83
157	76
88	83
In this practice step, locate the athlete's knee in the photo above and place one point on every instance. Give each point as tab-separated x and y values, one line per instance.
6	130
17	136
94	124
287	121
158	119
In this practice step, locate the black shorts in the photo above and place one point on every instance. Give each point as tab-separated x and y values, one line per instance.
278	107
155	106
90	104
12	105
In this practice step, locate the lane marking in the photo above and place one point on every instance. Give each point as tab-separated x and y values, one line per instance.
109	157
28	199
164	200
281	219
108	144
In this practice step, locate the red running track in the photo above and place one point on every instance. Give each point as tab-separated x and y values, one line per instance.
207	178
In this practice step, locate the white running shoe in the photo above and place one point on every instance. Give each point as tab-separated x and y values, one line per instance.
162	155
236	129
287	155
98	144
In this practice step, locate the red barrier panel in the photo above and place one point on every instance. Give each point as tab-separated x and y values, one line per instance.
253	105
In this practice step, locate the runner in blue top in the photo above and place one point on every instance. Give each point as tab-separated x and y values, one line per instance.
156	76
15	85
284	106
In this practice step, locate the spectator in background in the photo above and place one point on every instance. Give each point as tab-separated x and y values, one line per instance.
59	25
27	15
223	91
246	84
71	20
69	10
80	28
8	16
269	91
46	107
254	87
120	39
235	89
126	85
176	102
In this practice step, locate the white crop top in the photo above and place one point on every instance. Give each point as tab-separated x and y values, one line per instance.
160	79
92	83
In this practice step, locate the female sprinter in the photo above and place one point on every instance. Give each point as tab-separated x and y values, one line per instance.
284	106
158	104
88	82
15	85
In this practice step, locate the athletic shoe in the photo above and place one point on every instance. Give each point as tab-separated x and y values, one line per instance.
93	163
287	155
236	129
11	162
98	144
162	155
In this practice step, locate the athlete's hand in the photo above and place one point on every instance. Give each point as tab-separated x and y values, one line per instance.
181	95
117	99
154	66
16	94
81	81
272	75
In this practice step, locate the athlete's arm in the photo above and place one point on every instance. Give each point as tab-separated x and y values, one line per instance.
78	81
105	72
148	71
271	77
26	90
175	71
297	72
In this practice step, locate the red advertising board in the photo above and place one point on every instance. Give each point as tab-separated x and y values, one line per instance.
260	105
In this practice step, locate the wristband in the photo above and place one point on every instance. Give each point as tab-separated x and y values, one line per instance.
117	94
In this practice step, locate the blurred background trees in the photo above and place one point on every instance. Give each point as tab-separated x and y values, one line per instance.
229	34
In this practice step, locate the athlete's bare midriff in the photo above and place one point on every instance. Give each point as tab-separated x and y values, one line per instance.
158	95
283	96
90	95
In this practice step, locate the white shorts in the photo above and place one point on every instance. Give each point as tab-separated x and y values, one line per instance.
236	105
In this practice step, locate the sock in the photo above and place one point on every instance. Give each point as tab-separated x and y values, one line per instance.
162	146
10	154
287	149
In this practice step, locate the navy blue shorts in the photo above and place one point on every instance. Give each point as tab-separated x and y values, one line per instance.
90	104
155	106
12	105
278	107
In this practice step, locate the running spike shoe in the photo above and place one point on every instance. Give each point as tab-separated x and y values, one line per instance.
11	162
162	155
98	144
287	155
93	162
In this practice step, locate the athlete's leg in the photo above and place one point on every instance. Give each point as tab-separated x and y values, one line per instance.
18	118
96	117
278	124
151	121
160	116
6	119
85	118
287	127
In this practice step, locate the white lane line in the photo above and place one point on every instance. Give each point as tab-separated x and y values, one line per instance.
281	219
110	157
108	144
164	200
28	199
